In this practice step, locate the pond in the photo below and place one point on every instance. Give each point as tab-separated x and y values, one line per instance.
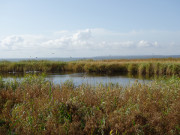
83	78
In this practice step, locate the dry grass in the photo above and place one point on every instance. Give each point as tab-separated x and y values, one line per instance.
36	106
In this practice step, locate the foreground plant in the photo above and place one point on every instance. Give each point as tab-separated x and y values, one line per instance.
36	106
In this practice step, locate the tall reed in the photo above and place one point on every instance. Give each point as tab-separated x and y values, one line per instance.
139	66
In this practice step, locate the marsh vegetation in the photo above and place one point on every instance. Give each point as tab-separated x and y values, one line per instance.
168	66
35	105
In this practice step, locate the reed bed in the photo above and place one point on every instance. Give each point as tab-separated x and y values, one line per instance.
36	106
169	66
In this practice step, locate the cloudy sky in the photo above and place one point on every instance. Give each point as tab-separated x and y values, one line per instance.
85	28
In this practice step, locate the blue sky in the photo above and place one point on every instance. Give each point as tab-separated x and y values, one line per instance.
85	28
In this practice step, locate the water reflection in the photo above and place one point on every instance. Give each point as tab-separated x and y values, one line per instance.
92	79
83	78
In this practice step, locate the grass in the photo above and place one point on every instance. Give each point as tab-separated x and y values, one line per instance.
168	66
36	106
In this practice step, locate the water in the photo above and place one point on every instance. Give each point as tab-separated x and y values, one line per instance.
83	78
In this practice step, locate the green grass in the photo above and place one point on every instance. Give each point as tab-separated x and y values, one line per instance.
36	106
140	66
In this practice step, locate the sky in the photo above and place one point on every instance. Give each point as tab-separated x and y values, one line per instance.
87	28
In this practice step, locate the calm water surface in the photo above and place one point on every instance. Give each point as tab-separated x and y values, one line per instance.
83	78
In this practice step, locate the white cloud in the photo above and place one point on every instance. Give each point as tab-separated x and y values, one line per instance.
102	41
78	40
11	42
20	42
82	35
144	43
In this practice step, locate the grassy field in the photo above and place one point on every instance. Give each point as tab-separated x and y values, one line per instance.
36	106
168	66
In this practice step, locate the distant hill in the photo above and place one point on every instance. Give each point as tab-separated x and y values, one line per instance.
95	58
136	57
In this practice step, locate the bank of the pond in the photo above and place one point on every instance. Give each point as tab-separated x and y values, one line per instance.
169	66
36	106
